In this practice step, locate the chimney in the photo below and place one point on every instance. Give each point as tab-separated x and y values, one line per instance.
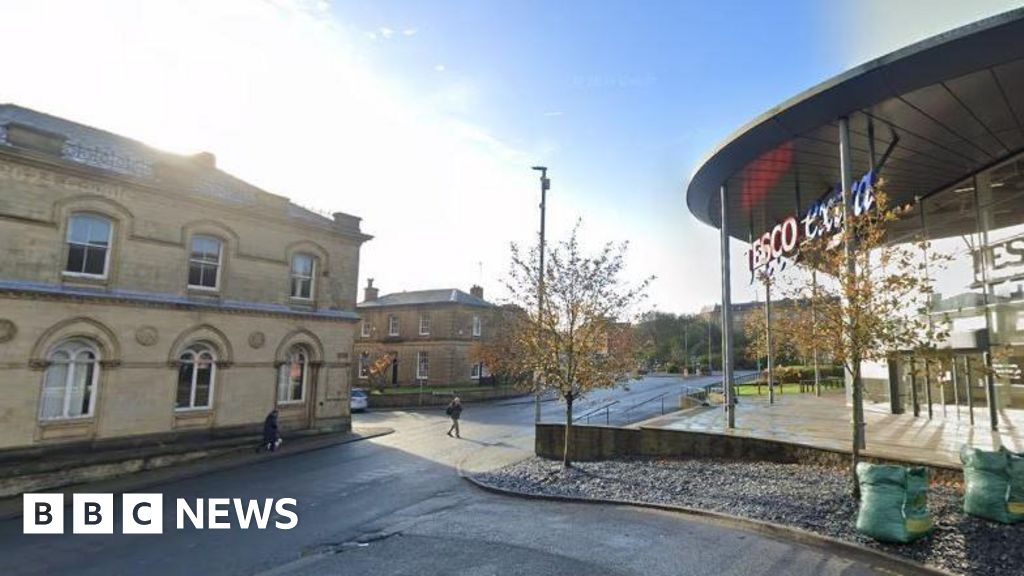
369	293
205	159
477	291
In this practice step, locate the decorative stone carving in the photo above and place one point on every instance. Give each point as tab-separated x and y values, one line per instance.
8	330
257	339
146	335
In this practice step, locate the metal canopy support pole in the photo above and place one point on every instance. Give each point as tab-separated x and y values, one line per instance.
814	322
730	406
768	338
913	387
956	386
990	391
928	386
849	247
983	197
970	395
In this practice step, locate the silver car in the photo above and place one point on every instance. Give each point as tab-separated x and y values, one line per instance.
359	401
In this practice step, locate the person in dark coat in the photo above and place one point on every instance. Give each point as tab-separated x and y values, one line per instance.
454	411
270	435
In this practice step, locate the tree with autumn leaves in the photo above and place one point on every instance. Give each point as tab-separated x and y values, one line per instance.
867	301
577	340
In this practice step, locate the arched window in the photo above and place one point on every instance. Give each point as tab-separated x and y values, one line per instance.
69	386
88	240
204	263
291	380
196	372
302	276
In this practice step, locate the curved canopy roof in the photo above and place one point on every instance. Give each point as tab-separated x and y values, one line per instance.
953	104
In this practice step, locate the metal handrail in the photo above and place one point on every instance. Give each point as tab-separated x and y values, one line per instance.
659	396
596	410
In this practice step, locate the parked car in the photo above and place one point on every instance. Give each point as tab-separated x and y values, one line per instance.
359	401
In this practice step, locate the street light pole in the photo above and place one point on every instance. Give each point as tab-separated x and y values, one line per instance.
544	185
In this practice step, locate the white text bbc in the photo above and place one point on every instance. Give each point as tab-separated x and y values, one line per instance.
143	513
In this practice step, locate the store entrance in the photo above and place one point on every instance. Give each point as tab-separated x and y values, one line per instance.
948	385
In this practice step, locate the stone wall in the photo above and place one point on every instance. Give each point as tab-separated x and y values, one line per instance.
606	442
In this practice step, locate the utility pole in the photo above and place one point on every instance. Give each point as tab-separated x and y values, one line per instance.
544	185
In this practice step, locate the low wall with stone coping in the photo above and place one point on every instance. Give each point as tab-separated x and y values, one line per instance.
609	442
428	398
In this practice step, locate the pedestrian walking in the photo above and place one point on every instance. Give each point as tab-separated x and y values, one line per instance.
454	411
271	439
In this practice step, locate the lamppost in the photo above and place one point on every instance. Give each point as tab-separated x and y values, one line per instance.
544	185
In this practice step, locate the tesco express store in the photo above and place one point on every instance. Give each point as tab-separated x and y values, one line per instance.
942	122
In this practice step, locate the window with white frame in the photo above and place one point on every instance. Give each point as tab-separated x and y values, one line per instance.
204	263
476	326
302	276
364	365
476	371
291	378
366	329
422	365
69	384
392	325
88	240
424	325
197	368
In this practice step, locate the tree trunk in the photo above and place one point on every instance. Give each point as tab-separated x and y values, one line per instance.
566	461
858	425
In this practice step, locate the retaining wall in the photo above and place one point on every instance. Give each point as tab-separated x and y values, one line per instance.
608	442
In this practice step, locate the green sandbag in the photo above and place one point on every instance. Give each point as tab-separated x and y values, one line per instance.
893	502
993	484
1015	503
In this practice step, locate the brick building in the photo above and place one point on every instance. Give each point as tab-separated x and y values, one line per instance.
147	295
426	335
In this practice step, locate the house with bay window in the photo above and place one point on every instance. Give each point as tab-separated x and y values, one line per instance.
148	295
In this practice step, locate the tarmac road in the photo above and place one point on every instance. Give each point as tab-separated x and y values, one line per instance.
396	505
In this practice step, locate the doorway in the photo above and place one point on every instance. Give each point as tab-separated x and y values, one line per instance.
950	385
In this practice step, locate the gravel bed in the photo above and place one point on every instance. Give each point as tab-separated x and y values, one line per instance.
813	498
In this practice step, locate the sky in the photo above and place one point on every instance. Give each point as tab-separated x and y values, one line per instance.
424	118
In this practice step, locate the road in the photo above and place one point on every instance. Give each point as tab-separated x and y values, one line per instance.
395	505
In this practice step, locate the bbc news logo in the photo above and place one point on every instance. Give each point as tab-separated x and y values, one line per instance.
144	513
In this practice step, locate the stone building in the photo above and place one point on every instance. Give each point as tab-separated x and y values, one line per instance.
425	335
147	296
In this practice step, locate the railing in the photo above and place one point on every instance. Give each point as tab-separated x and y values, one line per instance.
652	399
595	411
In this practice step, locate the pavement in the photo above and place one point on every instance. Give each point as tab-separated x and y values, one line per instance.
395	504
824	422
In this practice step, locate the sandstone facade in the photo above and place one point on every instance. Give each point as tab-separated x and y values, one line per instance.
144	294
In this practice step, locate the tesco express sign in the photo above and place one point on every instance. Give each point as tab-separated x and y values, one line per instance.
824	217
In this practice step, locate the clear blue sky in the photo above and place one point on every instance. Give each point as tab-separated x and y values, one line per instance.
623	99
424	117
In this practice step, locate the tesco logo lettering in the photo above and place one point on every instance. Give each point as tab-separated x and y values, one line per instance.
824	217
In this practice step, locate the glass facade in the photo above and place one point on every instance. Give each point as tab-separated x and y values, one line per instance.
979	300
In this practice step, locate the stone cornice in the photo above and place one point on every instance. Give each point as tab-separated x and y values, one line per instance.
28	291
